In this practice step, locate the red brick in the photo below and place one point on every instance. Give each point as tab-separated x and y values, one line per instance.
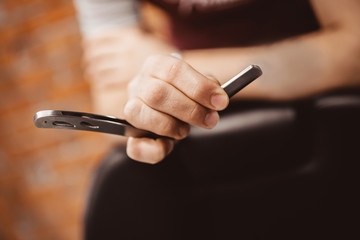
50	16
44	173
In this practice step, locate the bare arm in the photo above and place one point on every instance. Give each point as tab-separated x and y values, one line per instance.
299	66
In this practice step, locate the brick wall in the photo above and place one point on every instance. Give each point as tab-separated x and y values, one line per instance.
44	174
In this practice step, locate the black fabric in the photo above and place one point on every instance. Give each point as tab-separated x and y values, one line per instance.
267	171
237	23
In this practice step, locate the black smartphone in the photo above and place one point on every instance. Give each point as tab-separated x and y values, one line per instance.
106	124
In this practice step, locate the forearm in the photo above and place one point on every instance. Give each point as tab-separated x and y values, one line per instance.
293	68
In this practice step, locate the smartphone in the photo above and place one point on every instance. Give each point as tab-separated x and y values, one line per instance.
106	124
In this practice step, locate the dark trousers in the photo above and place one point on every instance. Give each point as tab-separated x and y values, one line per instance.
268	171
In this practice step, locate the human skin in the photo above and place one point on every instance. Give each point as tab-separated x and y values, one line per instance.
134	77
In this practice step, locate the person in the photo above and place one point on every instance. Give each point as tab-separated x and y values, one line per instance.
304	48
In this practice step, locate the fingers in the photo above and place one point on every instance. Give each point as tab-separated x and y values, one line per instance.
142	116
149	150
183	77
168	90
165	98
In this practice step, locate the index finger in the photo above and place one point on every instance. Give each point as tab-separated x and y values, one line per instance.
186	79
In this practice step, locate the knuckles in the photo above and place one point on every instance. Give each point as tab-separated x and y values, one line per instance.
164	67
132	109
167	128
134	113
175	68
155	94
196	114
197	91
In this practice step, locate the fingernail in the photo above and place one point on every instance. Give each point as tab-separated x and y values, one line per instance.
211	119
219	101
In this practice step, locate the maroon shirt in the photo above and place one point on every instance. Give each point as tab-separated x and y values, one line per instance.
225	23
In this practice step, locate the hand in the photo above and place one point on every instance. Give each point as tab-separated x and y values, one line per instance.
112	59
165	97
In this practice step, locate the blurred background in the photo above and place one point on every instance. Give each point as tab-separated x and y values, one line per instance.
44	174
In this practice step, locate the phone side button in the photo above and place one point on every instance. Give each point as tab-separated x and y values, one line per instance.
63	124
89	125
